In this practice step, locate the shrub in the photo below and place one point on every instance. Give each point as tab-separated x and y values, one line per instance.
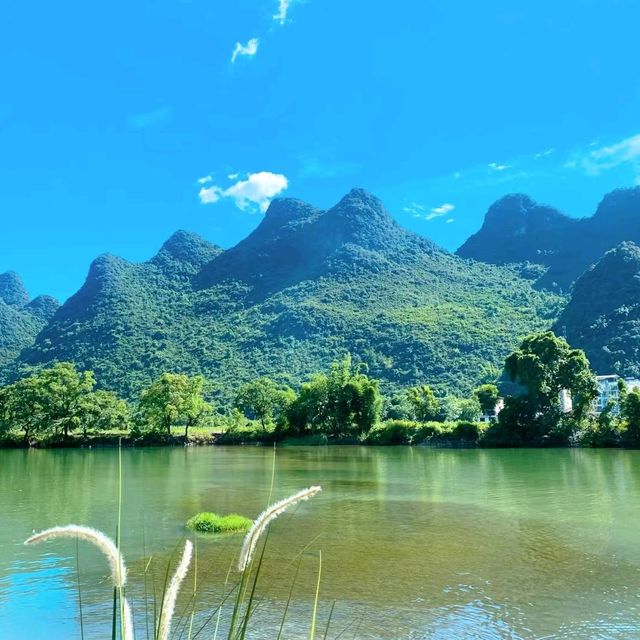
207	522
468	432
393	432
431	431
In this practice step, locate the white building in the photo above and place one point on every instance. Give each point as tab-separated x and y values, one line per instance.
493	416
609	391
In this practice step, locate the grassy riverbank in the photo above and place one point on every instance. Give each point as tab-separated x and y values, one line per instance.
390	433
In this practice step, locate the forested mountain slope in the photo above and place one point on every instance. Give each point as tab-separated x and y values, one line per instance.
603	315
303	288
517	229
20	319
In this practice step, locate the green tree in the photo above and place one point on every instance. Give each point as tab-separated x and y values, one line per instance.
22	407
343	402
195	408
51	400
469	410
487	395
424	403
104	411
264	400
630	413
64	395
544	365
174	398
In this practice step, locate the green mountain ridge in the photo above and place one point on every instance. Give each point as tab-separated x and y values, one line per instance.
603	315
21	319
306	286
517	229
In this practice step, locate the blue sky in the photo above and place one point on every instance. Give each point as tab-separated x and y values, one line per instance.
121	122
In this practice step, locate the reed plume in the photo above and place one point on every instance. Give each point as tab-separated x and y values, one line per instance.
264	519
109	550
171	595
97	538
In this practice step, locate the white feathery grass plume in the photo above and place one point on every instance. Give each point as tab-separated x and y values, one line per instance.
170	597
99	539
110	551
264	519
127	619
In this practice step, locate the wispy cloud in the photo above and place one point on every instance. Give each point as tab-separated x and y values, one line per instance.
599	159
150	118
450	220
283	10
545	153
205	180
256	191
426	213
495	166
250	49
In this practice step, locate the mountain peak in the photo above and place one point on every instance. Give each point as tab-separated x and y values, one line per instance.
296	241
12	289
187	247
286	210
43	307
619	207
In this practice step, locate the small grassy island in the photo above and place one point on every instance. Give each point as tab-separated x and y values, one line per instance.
60	406
207	522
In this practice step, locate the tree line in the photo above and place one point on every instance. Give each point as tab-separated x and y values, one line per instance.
342	403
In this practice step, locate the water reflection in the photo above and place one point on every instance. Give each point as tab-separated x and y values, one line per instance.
416	543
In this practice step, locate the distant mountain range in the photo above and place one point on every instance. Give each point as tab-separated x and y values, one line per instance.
21	319
308	285
517	229
603	315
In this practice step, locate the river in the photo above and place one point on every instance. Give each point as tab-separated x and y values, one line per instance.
416	542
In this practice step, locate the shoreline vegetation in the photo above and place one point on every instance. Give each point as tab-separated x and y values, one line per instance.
60	407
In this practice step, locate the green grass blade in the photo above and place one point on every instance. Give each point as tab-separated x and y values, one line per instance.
286	607
249	609
326	630
315	602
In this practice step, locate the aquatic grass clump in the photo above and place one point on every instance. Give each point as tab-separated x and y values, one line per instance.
208	522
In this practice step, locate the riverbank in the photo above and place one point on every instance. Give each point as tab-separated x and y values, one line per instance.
391	433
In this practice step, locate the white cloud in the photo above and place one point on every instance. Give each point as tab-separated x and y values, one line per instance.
283	9
450	220
601	159
545	153
209	195
249	49
205	180
258	189
498	167
420	211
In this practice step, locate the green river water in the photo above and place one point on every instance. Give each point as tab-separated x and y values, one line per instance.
416	542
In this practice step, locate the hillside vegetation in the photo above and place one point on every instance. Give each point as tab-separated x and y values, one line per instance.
516	229
304	288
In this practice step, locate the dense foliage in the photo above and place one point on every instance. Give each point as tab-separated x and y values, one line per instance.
343	404
603	315
304	288
518	230
20	319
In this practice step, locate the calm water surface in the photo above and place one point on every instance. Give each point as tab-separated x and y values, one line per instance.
416	543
